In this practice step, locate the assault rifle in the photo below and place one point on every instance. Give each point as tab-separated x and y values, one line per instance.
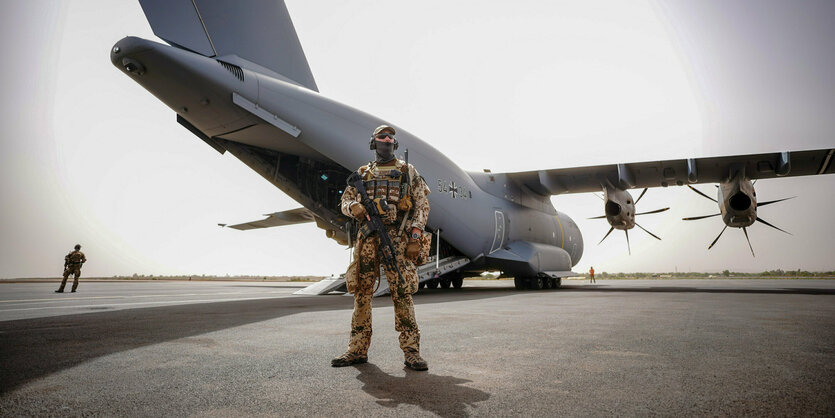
374	224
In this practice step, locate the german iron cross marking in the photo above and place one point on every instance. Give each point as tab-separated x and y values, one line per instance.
452	189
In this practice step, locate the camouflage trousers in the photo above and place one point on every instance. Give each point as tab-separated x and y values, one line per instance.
367	263
75	270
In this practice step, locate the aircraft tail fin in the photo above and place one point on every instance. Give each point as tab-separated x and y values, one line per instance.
258	31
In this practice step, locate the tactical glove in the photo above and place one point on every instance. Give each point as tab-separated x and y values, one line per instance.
412	250
358	211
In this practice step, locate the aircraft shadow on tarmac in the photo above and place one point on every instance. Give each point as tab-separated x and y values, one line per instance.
441	395
33	348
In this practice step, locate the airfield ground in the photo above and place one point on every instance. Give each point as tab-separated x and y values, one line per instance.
655	347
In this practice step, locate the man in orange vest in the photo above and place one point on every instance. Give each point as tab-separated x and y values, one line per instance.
591	275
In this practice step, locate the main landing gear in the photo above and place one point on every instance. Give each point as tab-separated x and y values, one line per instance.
455	280
537	283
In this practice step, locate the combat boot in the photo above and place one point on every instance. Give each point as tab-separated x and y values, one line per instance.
348	359
415	362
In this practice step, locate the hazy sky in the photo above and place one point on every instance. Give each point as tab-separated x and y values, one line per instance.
90	157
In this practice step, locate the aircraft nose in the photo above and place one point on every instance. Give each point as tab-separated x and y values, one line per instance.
123	54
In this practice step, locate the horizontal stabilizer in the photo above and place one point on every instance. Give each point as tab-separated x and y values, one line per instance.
287	217
260	32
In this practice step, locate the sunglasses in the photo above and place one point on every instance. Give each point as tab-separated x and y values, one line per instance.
384	136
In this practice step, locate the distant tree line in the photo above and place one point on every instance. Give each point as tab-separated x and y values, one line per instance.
725	273
136	276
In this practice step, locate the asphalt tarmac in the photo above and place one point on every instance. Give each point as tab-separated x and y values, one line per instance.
655	347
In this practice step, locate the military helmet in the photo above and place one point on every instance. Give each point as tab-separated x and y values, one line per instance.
77	246
381	128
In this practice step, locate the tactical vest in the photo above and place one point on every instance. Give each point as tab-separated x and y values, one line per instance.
388	182
74	257
383	182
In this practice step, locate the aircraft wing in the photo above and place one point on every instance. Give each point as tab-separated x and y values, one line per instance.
287	217
675	172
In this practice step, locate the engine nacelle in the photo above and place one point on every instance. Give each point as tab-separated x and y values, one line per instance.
619	207
737	202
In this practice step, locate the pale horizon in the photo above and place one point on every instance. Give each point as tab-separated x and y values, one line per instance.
92	158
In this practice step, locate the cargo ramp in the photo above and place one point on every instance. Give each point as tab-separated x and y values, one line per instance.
425	272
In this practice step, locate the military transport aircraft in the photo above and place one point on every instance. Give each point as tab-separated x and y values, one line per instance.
236	77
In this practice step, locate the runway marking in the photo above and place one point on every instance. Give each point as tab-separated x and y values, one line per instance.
135	296
133	303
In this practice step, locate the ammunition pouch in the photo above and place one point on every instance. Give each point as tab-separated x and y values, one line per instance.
382	205
405	204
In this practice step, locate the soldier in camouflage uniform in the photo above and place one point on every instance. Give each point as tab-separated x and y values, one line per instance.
72	265
405	220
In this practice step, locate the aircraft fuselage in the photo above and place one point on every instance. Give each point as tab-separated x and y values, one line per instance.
486	217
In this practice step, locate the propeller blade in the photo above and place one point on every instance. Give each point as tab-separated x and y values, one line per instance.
761	220
745	230
627	241
652	211
653	235
642	195
607	234
699	192
699	217
717	237
599	197
755	182
774	201
598	217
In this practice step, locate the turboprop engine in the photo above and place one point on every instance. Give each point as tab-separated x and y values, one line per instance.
737	202
620	212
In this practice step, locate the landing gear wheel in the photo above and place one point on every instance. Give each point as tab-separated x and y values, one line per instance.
421	285
445	283
457	282
546	283
432	284
535	283
519	283
557	283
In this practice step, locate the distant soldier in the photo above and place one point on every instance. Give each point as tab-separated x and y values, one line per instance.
405	219
591	275
72	265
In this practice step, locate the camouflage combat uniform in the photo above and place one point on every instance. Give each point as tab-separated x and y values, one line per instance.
73	262
365	270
